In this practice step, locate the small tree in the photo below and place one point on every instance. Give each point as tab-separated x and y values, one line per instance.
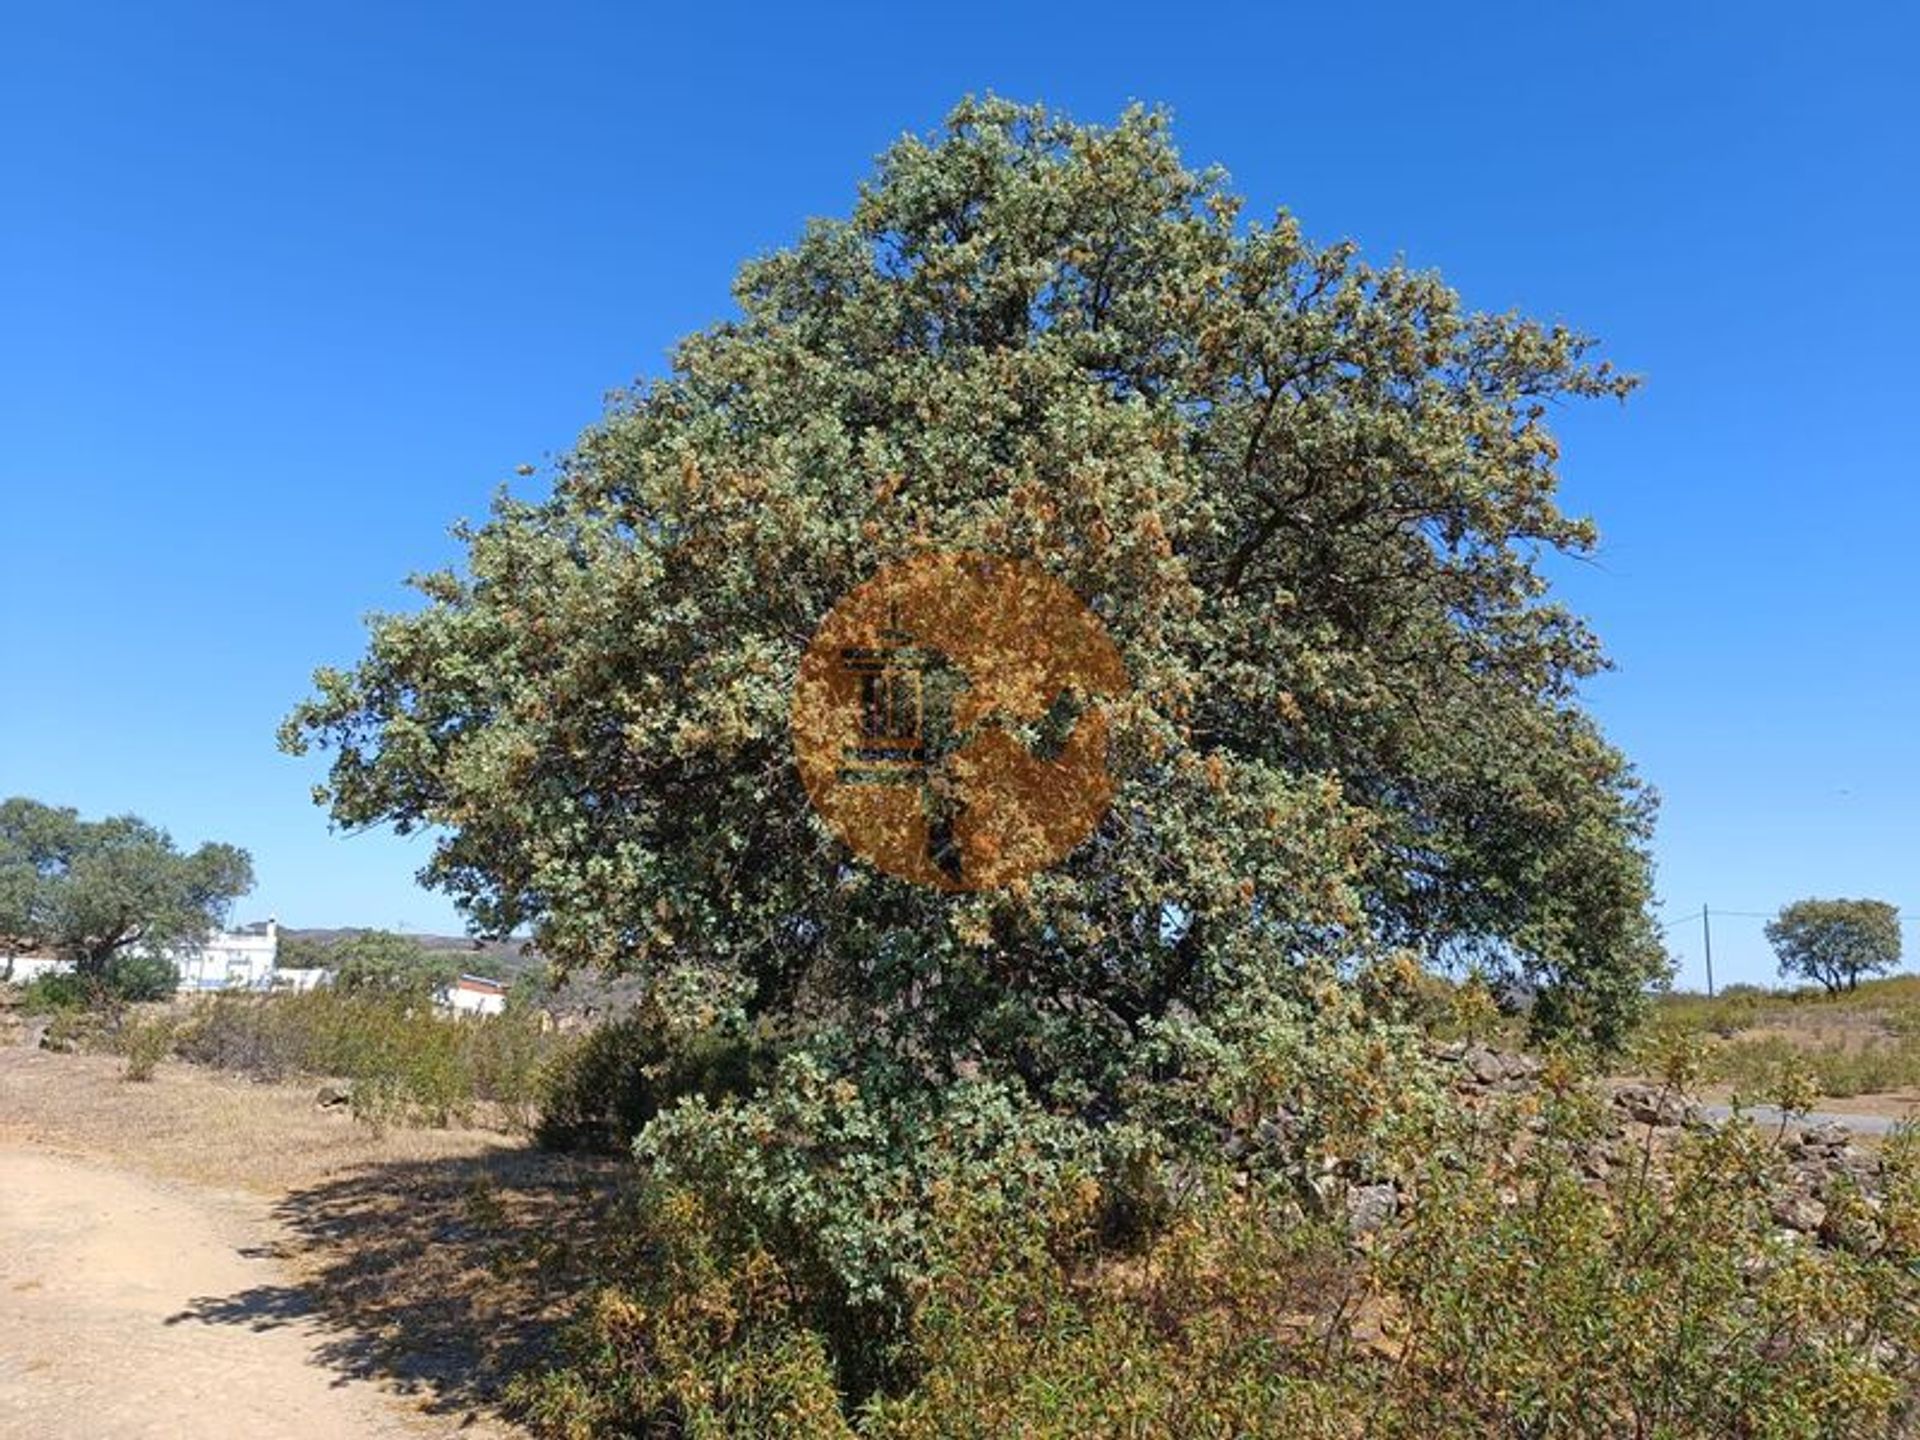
371	960
303	952
96	890
1836	941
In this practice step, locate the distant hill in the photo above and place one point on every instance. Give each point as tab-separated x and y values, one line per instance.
590	994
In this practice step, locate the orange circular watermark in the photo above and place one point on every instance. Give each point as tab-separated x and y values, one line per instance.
947	720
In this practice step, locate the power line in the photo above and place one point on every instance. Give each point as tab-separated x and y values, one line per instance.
1705	917
1692	915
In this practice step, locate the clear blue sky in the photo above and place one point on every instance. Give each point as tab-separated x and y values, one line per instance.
286	290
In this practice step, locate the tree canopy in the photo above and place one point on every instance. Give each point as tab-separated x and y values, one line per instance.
1835	942
1307	497
89	890
382	960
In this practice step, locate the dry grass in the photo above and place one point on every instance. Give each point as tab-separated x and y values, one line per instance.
1861	1046
205	1127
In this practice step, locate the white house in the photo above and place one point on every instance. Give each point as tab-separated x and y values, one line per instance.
474	995
22	969
240	959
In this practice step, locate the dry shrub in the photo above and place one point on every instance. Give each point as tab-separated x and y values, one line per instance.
407	1063
1517	1297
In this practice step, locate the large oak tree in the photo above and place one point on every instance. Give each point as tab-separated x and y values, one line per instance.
1307	496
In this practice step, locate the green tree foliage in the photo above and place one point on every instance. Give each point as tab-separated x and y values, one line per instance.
1836	942
94	890
381	960
140	977
303	952
1305	494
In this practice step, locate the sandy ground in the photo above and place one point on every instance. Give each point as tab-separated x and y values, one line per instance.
134	1307
149	1279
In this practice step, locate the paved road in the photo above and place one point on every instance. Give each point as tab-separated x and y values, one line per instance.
1767	1115
131	1307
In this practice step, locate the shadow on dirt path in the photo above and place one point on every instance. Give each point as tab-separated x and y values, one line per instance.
442	1277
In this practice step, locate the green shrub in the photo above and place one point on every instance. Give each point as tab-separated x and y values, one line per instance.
1536	1302
1516	1296
145	1041
53	992
602	1088
705	1334
140	978
125	978
1217	1328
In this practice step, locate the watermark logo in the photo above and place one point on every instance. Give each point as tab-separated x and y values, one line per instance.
947	720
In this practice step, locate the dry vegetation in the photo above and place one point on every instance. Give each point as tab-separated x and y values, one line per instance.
1484	1294
1860	1046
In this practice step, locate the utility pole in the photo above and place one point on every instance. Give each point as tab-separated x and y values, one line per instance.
1706	931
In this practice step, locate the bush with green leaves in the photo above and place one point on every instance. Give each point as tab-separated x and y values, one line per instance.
55	991
120	979
602	1089
382	960
145	1040
140	977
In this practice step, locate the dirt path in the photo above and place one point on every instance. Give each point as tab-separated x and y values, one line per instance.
133	1306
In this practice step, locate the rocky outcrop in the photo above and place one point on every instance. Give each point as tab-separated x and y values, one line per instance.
1830	1186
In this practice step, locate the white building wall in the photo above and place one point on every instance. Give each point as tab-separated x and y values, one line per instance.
465	998
26	968
229	960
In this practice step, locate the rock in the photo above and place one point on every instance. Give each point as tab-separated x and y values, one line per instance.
1799	1212
1860	1166
1649	1106
1825	1136
1277	1130
1370	1207
1490	1067
334	1093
